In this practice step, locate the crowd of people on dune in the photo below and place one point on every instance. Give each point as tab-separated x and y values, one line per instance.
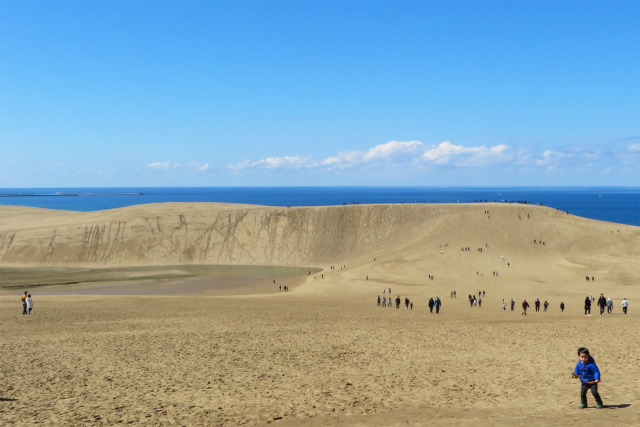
388	301
476	301
603	304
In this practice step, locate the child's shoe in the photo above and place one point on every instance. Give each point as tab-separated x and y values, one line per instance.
582	406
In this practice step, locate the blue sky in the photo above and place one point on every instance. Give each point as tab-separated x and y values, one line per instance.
234	93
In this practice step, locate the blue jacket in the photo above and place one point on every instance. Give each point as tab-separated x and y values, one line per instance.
587	371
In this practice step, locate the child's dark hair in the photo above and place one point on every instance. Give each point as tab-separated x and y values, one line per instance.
583	350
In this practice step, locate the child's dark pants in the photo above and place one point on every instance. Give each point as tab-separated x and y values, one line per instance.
594	391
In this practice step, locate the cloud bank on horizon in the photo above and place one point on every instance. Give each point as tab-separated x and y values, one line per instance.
414	154
393	154
417	156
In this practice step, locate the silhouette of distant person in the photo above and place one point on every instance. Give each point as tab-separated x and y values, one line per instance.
24	302
587	306
437	303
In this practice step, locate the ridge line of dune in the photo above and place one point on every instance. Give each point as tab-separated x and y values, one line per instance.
211	233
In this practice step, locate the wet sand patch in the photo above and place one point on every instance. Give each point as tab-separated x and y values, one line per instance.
152	280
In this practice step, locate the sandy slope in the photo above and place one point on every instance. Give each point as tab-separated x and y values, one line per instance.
324	353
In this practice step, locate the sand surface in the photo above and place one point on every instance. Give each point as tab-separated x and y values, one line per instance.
323	353
159	280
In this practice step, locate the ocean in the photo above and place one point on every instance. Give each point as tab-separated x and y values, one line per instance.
614	204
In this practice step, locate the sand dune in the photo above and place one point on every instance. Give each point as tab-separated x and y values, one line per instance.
209	233
323	354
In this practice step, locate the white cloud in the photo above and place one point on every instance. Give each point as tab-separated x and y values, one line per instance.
391	149
294	162
159	165
175	165
631	156
460	156
272	163
523	157
239	166
343	159
391	154
198	166
551	158
413	156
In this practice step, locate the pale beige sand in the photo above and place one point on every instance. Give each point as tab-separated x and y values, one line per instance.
323	354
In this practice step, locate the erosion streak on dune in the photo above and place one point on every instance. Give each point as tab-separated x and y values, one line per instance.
201	233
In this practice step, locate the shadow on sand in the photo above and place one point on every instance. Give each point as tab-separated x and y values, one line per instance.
623	405
7	399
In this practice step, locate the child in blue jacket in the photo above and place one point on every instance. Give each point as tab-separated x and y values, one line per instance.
589	375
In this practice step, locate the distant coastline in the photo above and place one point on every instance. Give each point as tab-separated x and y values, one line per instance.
62	194
612	204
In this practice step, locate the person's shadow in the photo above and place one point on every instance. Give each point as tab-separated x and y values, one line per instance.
623	405
7	399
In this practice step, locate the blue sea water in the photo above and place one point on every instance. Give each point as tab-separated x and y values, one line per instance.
614	204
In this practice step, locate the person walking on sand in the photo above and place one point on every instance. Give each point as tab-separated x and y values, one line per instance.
609	306
384	301
587	307
379	301
625	304
545	306
525	305
431	304
504	305
24	302
537	304
562	307
513	304
587	371
406	303
29	302
602	303
437	304
398	302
